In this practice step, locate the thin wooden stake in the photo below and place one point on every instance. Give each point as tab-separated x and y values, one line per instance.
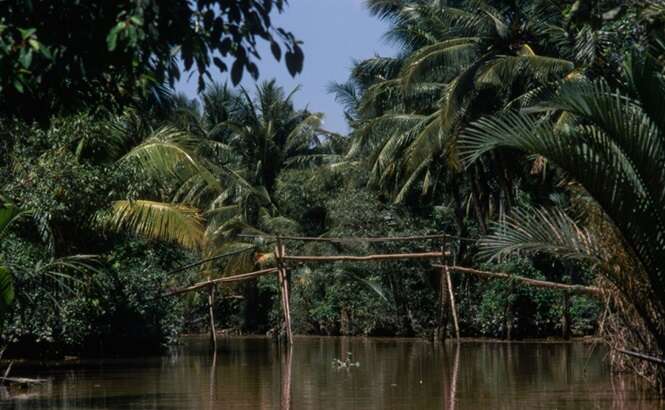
284	288
443	299
211	315
453	308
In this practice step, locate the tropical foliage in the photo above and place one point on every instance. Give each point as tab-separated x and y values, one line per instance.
56	56
532	131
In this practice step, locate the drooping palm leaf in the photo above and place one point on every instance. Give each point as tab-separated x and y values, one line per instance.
159	221
541	230
616	159
170	152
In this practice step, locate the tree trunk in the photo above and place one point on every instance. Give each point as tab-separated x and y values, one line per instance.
459	217
444	310
505	181
477	205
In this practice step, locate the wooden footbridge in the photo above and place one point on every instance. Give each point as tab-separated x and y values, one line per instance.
284	261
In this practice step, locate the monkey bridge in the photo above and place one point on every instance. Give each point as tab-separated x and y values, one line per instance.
284	261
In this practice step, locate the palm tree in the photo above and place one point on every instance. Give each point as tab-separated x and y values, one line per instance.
612	142
213	179
455	64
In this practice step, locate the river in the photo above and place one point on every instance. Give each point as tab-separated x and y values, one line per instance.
255	373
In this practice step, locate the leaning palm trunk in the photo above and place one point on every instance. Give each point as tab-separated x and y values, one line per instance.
613	144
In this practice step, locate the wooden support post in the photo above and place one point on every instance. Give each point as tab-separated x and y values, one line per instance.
211	315
453	308
280	251
452	401
443	299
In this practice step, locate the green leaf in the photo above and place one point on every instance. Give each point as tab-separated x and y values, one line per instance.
294	61
46	52
36	45
236	71
220	64
112	37
25	33
25	58
18	85
276	51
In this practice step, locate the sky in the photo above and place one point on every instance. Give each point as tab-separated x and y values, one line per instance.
335	33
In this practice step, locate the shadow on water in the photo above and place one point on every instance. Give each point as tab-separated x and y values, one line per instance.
255	373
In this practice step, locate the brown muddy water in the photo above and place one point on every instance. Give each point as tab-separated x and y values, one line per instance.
254	373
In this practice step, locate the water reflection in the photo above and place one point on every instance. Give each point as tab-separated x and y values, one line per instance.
255	373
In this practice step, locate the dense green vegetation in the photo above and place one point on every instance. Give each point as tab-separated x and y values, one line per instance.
531	129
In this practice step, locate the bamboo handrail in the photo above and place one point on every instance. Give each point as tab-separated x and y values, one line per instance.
589	290
227	279
642	356
357	239
212	258
339	258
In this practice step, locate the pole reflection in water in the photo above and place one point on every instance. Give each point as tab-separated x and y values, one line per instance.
286	362
393	374
453	380
213	371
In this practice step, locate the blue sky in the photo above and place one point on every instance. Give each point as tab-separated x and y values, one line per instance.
334	32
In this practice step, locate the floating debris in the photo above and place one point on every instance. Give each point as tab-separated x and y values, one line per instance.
345	364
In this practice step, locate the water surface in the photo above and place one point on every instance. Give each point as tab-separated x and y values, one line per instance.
254	373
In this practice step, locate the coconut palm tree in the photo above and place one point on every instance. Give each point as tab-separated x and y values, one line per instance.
214	176
458	61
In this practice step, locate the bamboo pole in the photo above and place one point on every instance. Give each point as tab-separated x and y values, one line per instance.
579	289
453	308
351	239
444	296
212	258
280	252
452	400
642	356
443	307
339	258
227	279
211	315
360	239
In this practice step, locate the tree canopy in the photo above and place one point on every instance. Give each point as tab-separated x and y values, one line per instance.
58	55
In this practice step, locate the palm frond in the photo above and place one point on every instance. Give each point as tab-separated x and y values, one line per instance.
169	152
452	55
529	231
159	221
9	214
504	70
